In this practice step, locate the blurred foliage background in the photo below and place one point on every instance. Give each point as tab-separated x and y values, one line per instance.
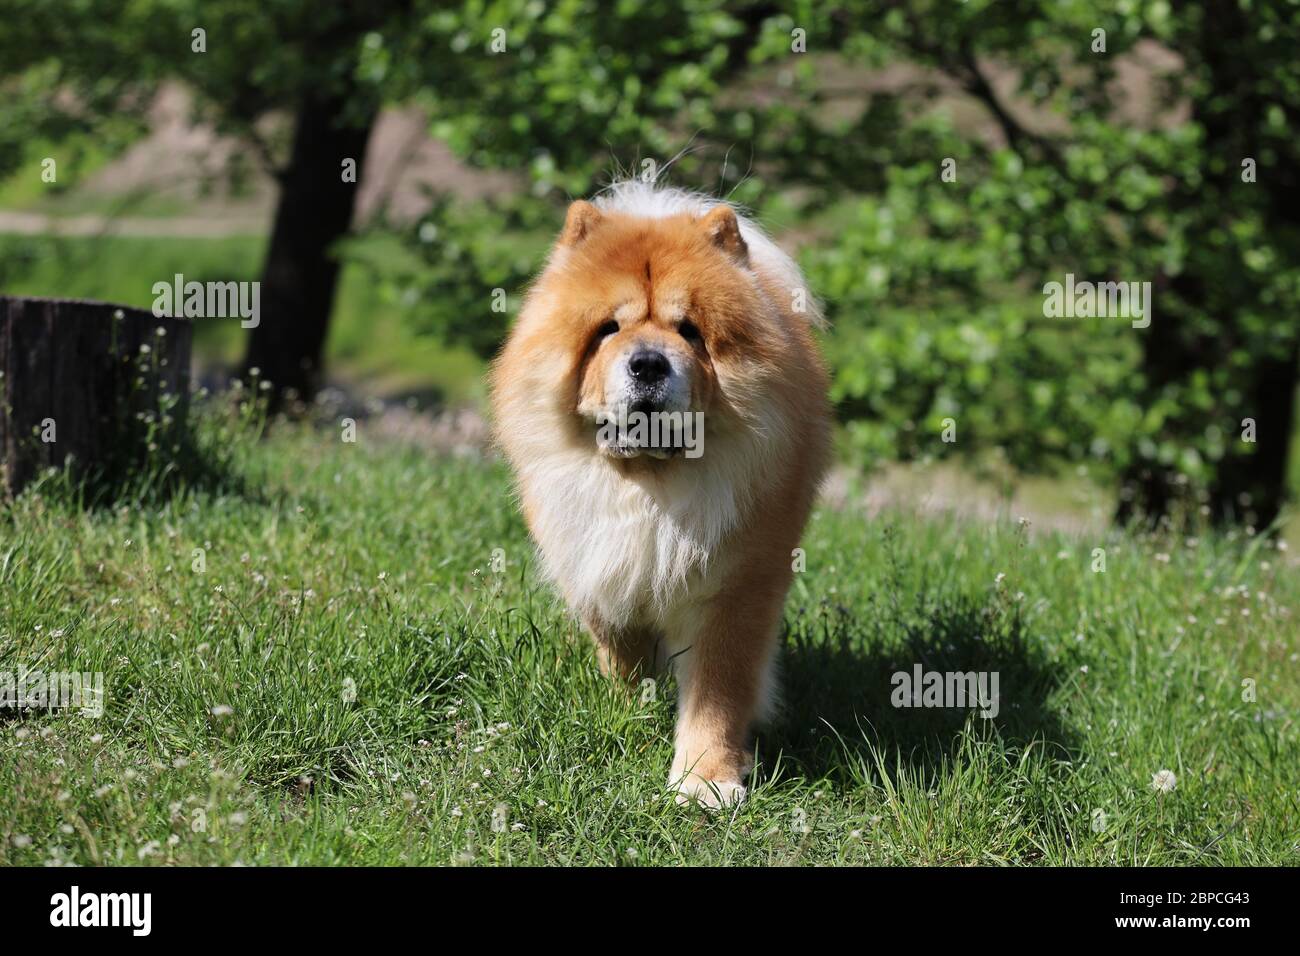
932	163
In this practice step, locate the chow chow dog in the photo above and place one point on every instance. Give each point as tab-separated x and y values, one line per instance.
677	543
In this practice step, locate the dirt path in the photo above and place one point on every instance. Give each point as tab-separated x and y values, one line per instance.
39	224
187	164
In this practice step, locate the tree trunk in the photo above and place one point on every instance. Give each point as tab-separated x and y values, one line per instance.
1253	487
1170	354
1249	482
88	383
300	274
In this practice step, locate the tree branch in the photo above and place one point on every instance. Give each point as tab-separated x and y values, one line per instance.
1018	137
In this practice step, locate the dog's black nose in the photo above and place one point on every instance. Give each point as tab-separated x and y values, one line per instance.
648	366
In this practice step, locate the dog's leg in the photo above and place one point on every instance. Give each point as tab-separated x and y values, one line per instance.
725	682
625	653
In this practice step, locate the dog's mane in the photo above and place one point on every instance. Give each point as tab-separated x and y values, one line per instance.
634	197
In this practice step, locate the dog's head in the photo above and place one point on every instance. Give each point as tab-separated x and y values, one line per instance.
653	316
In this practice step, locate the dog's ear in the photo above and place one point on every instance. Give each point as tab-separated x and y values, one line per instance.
581	219
723	230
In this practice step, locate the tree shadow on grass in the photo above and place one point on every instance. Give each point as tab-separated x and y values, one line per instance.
188	468
203	451
839	692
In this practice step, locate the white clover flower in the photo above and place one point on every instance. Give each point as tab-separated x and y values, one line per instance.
222	710
1164	780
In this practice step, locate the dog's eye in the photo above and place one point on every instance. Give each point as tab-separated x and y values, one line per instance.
688	331
606	329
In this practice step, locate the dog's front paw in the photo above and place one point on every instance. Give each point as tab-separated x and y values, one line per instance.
710	794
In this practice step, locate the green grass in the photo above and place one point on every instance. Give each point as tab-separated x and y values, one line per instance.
348	681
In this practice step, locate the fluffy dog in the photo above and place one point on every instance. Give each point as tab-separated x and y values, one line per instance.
671	544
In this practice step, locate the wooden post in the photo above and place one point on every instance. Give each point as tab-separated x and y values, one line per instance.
98	385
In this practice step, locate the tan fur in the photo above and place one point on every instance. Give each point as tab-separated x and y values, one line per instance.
678	557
